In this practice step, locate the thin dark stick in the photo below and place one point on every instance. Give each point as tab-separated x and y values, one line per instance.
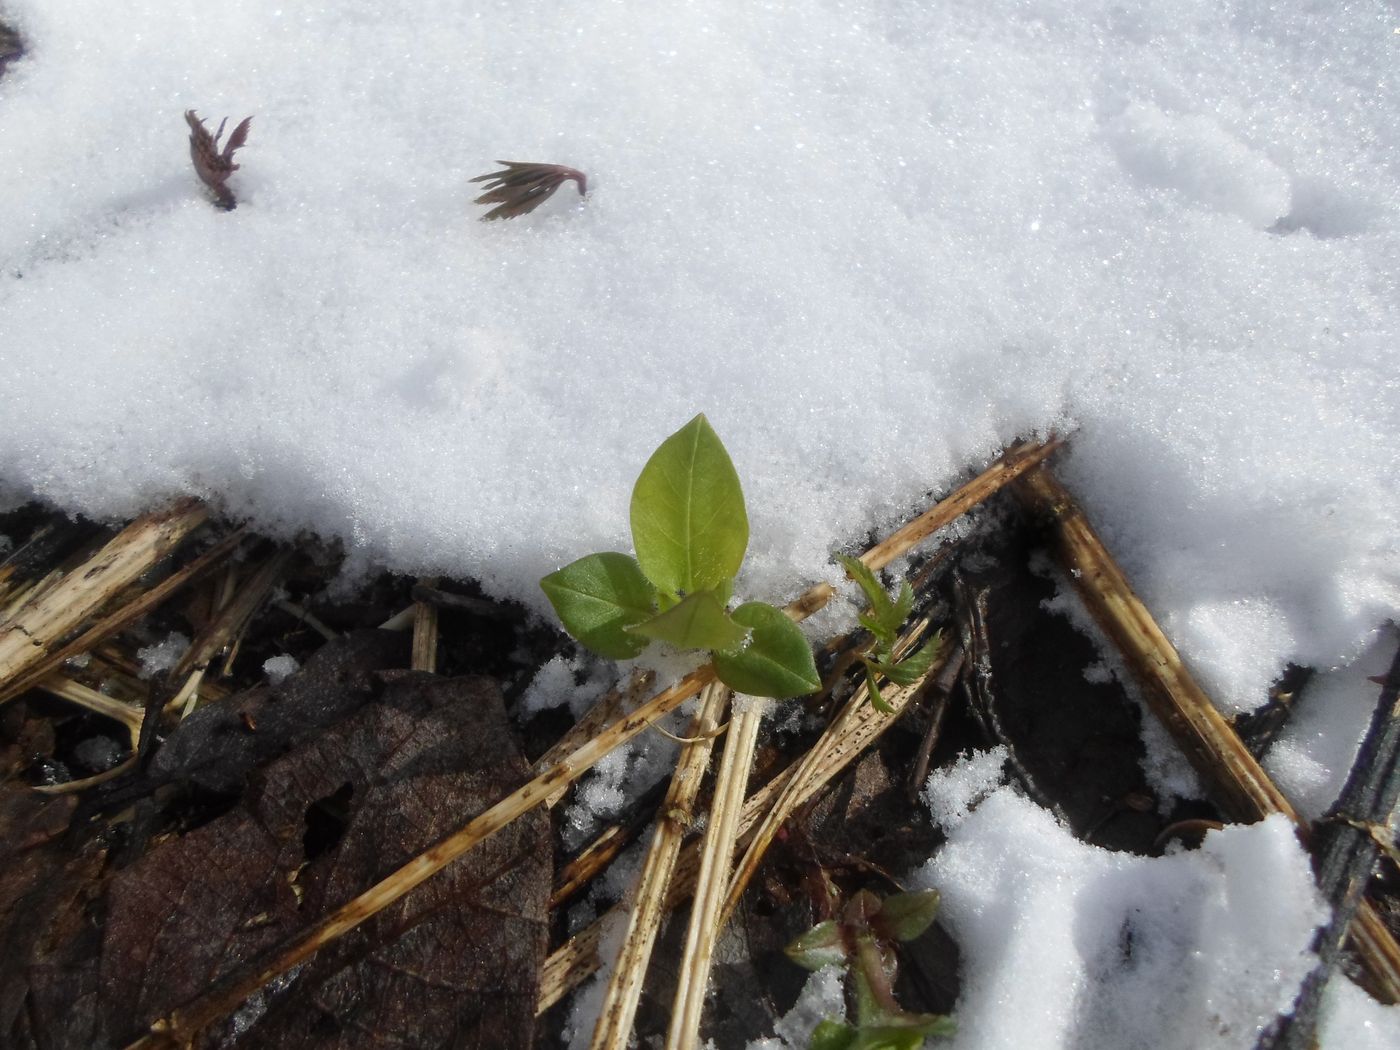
939	693
1345	846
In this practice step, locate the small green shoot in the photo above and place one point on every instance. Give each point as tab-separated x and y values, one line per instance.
883	620
690	530
863	940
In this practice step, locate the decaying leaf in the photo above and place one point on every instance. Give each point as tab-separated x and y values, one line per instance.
520	187
213	164
454	963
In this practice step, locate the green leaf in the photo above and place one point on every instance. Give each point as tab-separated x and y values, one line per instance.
914	666
885	637
820	946
904	604
698	622
884	618
688	519
598	598
904	916
832	1035
776	662
903	1036
876	697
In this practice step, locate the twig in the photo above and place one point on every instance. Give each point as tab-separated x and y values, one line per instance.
227	993
306	616
42	623
425	632
1207	738
716	858
433	595
1345	849
939	692
614	1026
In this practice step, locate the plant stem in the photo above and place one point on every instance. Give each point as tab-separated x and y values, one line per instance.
614	1026
716	857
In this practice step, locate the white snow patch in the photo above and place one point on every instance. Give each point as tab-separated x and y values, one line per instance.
1352	1020
951	792
1068	945
278	668
822	998
162	655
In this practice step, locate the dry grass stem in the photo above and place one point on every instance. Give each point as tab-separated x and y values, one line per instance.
84	696
648	899
234	612
425	632
1202	732
520	187
124	617
591	724
716	856
577	959
818	765
39	627
305	616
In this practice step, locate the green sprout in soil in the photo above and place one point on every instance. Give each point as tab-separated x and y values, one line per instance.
862	940
690	531
883	620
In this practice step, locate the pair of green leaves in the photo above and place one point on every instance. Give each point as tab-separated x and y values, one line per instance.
883	620
863	940
690	531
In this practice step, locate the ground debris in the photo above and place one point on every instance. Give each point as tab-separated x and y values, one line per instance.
454	963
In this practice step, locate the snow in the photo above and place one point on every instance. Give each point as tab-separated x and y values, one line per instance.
874	241
278	668
1069	945
162	655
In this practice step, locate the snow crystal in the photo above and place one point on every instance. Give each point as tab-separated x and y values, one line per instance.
279	667
951	792
822	998
1069	945
162	655
1352	1020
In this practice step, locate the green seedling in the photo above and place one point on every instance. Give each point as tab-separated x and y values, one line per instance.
690	530
863	941
883	620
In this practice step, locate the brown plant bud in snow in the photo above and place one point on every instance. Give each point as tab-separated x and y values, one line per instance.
520	187
211	164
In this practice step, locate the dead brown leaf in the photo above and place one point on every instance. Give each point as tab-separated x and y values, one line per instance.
455	963
521	187
213	164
